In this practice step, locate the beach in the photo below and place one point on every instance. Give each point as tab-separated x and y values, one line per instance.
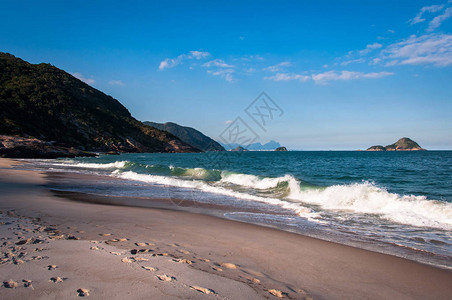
56	247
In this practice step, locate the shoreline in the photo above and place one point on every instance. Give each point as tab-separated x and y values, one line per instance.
299	266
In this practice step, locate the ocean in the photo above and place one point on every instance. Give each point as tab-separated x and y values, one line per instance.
398	203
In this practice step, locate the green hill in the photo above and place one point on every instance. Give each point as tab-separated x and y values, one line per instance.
403	144
44	102
189	135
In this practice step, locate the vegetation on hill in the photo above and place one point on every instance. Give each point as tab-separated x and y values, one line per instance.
44	102
189	135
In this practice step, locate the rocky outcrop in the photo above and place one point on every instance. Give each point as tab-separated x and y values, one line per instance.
19	147
376	148
281	149
44	102
403	144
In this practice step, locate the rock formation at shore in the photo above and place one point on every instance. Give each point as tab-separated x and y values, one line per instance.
18	147
188	135
403	144
43	102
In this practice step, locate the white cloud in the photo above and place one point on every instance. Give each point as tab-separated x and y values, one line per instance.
228	122
347	62
83	78
172	62
199	54
279	67
369	48
116	82
223	73
346	75
217	63
435	49
287	77
418	18
436	22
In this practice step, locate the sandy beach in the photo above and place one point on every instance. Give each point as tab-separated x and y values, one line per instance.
54	247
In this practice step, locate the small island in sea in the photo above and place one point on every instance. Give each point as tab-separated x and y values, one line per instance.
403	144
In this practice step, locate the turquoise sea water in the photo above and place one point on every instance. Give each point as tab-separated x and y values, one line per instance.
392	202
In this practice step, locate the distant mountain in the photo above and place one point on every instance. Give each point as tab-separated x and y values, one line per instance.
44	102
270	146
189	135
403	144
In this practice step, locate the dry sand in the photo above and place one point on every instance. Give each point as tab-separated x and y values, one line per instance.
55	248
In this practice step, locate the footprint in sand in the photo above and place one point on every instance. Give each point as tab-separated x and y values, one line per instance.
10	284
165	277
153	269
217	268
27	283
52	267
204	259
202	290
276	293
83	292
182	260
183	251
128	260
141	259
115	253
94	248
229	266
57	279
144	244
105	234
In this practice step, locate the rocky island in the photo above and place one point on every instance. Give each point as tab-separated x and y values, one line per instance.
403	144
281	149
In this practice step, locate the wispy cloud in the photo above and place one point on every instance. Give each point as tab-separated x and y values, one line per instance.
83	78
418	18
287	77
322	78
116	82
223	73
172	62
369	48
346	75
352	61
436	22
278	67
434	49
217	63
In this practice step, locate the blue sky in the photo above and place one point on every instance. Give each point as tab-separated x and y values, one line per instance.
347	74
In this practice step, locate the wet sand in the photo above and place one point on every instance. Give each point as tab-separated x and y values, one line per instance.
119	252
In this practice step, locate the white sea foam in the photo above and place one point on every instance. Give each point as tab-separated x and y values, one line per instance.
368	198
298	208
253	181
113	165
